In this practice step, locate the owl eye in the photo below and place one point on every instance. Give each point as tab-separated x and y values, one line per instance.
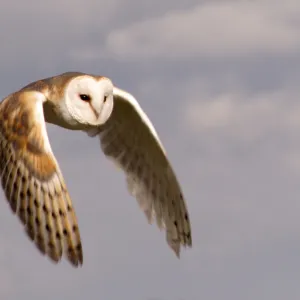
105	98
85	97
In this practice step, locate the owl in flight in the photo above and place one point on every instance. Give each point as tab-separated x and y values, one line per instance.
32	180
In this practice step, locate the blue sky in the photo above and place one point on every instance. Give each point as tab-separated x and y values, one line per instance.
219	80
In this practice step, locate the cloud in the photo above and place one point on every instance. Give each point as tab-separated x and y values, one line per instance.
212	29
253	123
33	32
230	127
245	117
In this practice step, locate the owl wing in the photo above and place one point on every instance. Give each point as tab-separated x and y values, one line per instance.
32	181
130	140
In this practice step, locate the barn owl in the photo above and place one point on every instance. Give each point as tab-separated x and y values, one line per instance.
31	178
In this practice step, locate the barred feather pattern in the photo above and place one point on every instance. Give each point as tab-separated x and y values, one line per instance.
129	142
33	184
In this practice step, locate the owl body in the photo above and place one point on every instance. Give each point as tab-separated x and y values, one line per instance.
33	182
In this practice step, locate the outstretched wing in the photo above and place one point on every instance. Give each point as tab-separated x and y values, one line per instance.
32	181
129	138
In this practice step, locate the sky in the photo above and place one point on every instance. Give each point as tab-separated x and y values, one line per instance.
220	82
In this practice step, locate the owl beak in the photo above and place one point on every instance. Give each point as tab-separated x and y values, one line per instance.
106	110
94	110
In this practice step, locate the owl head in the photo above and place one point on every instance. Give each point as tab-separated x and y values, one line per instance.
88	100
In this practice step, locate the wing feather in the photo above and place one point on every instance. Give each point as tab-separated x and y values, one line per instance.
130	140
32	181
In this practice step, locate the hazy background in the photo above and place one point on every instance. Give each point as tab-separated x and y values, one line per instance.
220	81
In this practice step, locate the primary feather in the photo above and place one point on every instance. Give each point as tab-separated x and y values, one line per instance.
32	180
131	141
31	177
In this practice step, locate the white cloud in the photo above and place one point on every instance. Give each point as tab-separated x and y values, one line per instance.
265	123
39	31
245	117
213	29
244	205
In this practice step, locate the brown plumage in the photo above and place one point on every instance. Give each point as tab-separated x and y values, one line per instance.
33	183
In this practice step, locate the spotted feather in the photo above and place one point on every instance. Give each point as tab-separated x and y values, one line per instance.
130	140
32	181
